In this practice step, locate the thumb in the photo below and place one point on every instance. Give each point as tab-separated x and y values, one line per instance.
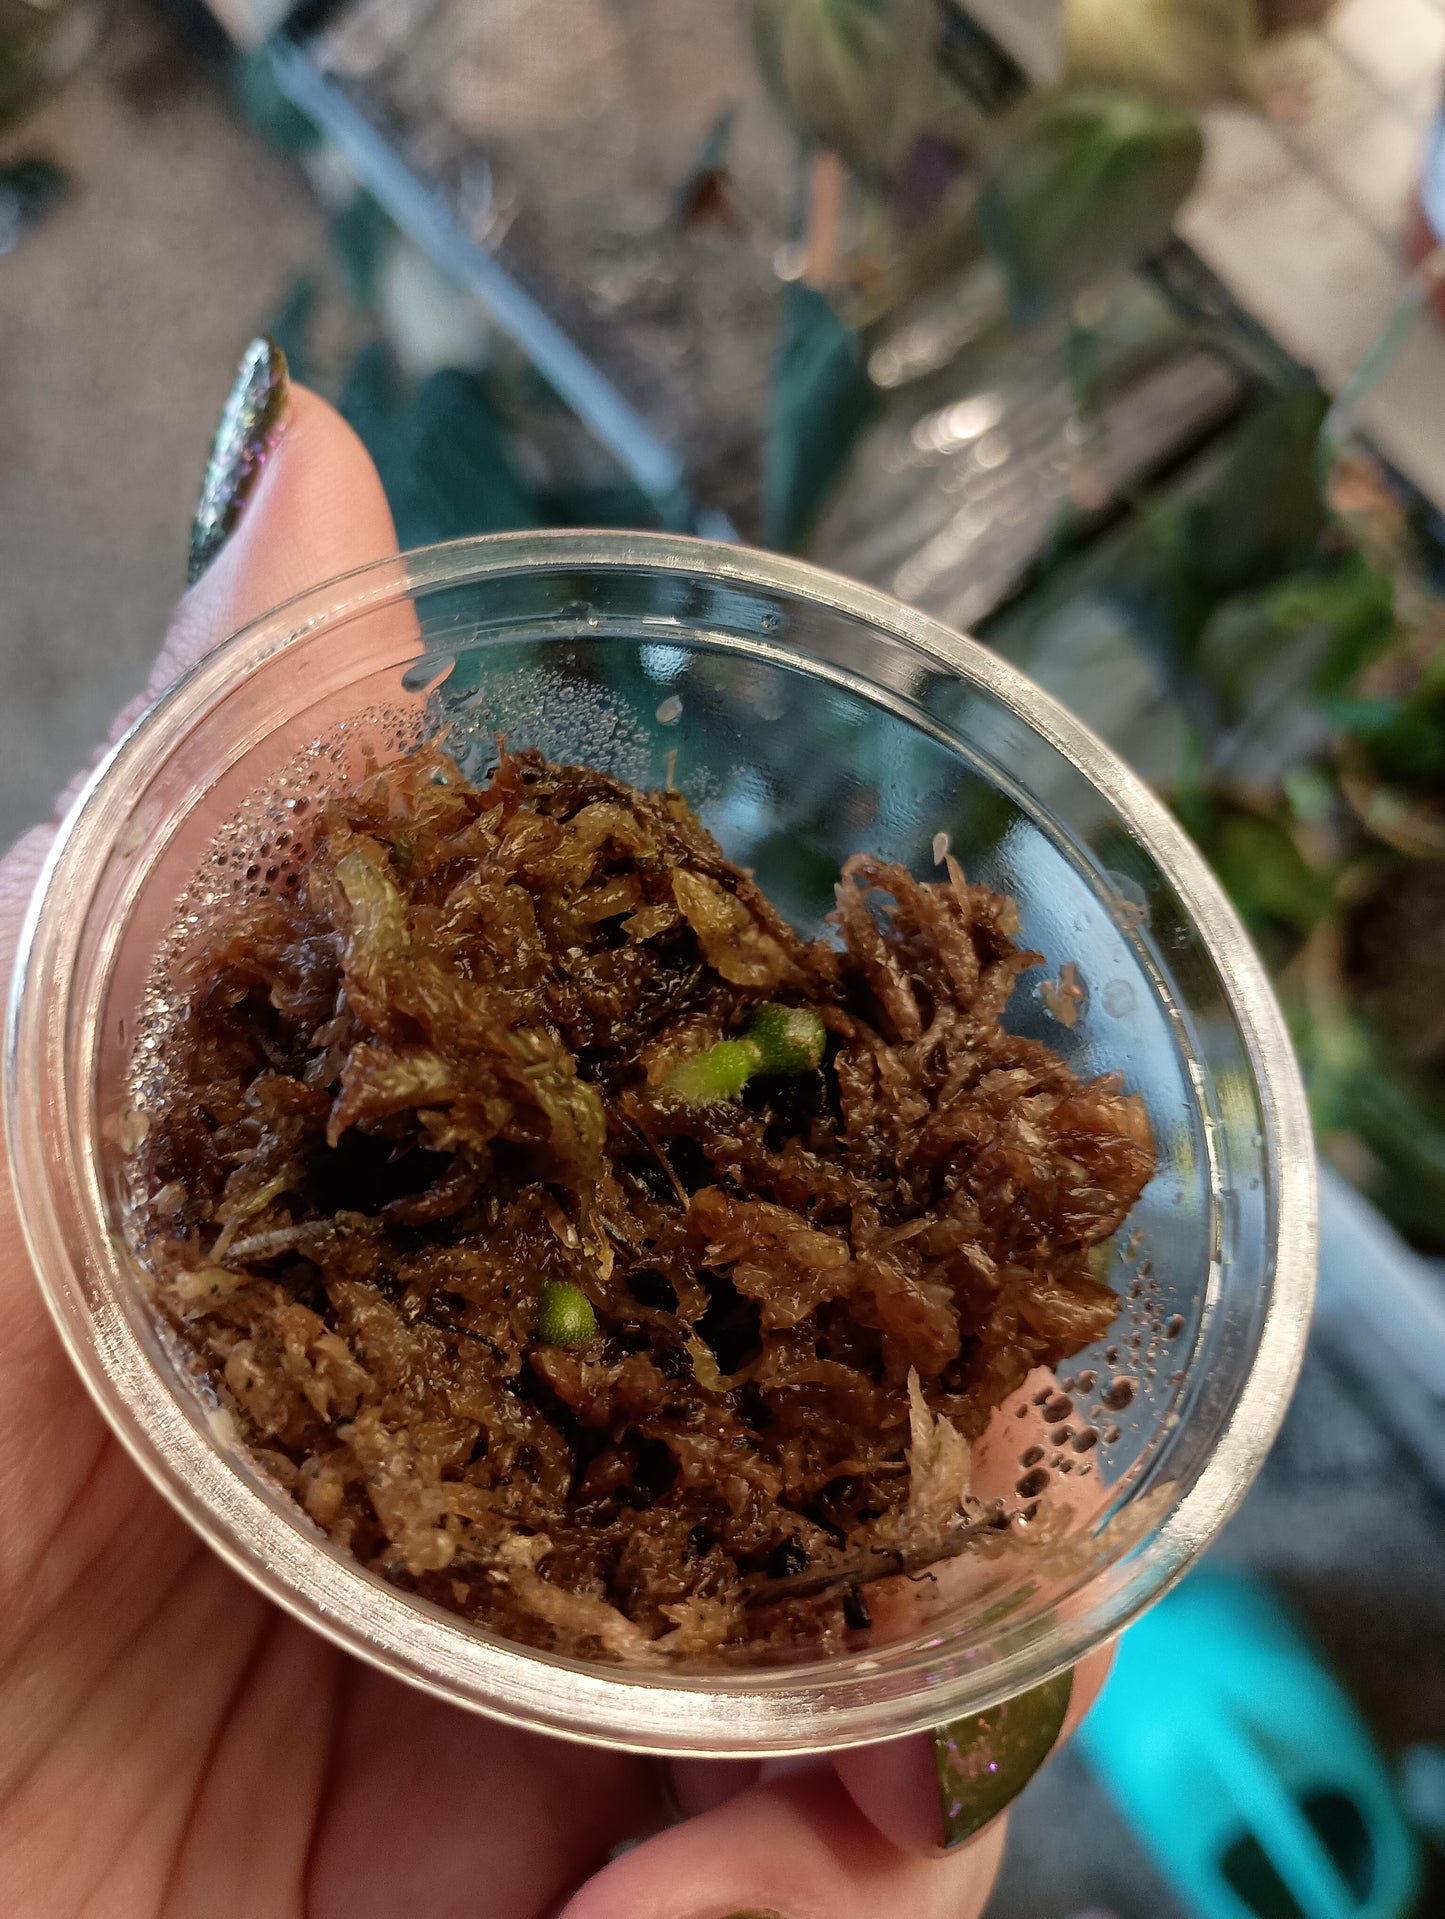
290	499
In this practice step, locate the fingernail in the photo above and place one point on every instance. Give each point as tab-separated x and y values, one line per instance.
251	425
985	1762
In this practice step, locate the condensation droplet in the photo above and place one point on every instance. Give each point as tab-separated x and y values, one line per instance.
1033	1484
1174	1327
427	673
669	711
1086	1382
771	622
1119	1394
1118	999
1085	1440
1030	1456
940	848
1058	1406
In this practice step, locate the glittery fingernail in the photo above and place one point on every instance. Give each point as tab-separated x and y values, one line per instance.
251	425
985	1762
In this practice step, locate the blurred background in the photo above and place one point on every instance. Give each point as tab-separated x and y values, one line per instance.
1110	330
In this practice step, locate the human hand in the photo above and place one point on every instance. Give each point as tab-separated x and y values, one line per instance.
171	1744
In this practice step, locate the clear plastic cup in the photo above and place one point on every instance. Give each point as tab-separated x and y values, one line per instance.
806	718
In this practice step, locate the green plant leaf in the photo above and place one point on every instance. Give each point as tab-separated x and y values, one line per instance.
1267	876
1272	663
853	75
1084	182
441	452
1256	512
266	108
30	191
361	232
1404	740
820	400
1359	1090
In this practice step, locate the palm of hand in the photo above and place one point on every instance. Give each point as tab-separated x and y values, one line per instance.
171	1743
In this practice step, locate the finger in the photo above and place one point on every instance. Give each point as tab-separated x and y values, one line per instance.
317	510
794	1848
698	1785
934	1793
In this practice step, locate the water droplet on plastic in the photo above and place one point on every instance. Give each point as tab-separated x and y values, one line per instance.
1033	1484
1085	1440
1174	1327
1030	1456
1119	1394
1118	999
1086	1382
1058	1406
427	673
669	711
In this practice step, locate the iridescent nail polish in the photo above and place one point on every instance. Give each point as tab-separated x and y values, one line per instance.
252	422
985	1762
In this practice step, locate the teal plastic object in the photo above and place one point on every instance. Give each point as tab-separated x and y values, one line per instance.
1243	1768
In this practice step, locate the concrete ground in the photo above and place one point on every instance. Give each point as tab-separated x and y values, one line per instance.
121	321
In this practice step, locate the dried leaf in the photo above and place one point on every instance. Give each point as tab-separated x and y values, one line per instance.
939	1462
731	939
576	1615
